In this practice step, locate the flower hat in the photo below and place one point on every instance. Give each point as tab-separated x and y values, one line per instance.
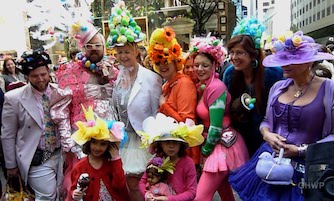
164	48
252	27
98	129
57	19
294	48
163	128
210	45
161	164
123	27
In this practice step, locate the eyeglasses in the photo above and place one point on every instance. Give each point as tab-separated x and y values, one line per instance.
237	54
96	46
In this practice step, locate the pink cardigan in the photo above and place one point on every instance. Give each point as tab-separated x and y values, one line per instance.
183	181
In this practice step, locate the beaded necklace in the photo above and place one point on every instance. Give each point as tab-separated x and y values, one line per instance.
119	96
86	63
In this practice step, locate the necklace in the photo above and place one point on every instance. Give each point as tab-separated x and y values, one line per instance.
120	98
303	90
86	63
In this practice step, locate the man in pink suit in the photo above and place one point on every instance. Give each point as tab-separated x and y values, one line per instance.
30	139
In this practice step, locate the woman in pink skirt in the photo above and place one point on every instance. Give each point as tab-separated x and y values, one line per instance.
224	148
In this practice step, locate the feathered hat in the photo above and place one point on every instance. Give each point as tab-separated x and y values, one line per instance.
294	48
252	27
161	164
123	27
54	20
164	48
210	45
98	129
163	128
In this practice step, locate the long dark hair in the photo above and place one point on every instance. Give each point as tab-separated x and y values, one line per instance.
238	84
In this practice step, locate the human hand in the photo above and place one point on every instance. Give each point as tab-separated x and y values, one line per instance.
14	172
114	150
161	198
162	99
149	196
77	194
290	150
274	140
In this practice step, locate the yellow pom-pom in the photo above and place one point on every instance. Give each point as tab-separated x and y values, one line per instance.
297	41
166	50
87	64
281	38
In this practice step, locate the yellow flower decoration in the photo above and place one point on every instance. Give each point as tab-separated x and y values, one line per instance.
93	128
190	132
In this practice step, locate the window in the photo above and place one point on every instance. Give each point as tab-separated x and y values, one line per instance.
265	10
306	7
328	11
221	6
314	2
223	20
310	5
332	8
310	19
318	16
300	12
294	15
303	23
306	21
265	3
323	12
318	1
223	28
314	18
272	1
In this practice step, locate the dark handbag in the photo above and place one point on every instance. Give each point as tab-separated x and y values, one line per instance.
228	137
38	157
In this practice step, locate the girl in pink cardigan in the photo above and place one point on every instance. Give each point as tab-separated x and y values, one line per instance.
166	138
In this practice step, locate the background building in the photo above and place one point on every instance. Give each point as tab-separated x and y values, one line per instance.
314	17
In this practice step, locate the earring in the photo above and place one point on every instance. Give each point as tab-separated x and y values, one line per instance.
255	63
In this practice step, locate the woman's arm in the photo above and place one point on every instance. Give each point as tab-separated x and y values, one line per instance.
216	111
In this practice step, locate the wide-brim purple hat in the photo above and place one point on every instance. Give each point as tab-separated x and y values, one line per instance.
297	49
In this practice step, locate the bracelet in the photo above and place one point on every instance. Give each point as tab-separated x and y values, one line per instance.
302	150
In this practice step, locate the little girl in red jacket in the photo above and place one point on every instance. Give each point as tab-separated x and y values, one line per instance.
100	175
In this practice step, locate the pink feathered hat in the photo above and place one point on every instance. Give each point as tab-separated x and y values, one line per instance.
294	49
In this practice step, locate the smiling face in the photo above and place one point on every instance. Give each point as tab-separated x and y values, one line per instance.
39	78
167	71
94	49
203	67
11	66
98	147
240	58
153	177
127	55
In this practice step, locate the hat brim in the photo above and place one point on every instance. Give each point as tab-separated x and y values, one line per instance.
89	37
171	139
288	58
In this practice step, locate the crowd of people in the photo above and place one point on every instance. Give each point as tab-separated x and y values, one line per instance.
157	123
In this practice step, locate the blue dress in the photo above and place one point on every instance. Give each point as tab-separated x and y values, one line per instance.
298	125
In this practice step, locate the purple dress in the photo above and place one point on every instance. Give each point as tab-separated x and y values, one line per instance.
298	125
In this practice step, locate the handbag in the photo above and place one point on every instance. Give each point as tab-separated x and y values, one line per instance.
228	137
9	194
274	170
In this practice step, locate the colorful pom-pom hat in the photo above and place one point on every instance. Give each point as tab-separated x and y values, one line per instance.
252	27
294	48
210	45
164	49
123	27
163	128
98	129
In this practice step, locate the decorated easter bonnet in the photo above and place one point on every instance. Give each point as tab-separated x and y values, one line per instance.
163	128
56	20
251	27
164	48
98	129
123	27
161	164
294	48
210	45
31	60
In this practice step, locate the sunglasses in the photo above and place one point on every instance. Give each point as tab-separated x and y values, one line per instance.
96	46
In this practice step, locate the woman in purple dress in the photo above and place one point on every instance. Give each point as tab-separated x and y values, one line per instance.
290	121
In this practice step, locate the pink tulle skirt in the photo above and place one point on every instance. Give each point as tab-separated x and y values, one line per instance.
227	159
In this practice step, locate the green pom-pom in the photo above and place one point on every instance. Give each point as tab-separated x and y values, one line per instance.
253	100
119	11
215	43
130	38
122	30
202	87
138	28
113	32
125	22
133	23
